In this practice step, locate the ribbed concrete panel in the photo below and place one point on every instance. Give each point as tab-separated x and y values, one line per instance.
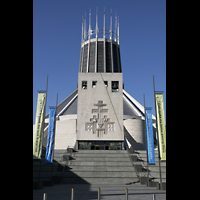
112	59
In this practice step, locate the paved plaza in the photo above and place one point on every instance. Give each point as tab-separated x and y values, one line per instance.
90	192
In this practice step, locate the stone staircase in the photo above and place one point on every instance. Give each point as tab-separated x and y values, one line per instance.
50	173
154	175
99	167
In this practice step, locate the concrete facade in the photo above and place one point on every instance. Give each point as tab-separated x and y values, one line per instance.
135	133
68	131
65	134
108	120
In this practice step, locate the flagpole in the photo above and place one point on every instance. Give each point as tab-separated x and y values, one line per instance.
54	134
55	124
157	134
146	141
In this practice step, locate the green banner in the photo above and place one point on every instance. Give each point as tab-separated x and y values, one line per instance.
161	125
37	138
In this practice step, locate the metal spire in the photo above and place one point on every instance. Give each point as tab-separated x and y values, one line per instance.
111	25
85	33
97	22
82	31
89	33
115	35
96	40
104	42
118	32
104	24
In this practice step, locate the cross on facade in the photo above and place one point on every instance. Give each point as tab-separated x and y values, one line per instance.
99	124
100	110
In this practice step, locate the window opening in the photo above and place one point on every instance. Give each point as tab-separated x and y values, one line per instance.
106	83
115	86
84	85
94	84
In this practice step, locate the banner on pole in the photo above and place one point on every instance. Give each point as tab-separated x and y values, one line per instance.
37	137
161	125
50	137
150	139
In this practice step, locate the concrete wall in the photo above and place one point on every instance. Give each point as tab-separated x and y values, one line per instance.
65	134
135	133
90	96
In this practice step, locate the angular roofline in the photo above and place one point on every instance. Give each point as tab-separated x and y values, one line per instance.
136	107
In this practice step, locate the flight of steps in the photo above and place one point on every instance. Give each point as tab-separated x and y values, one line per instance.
99	167
42	172
154	174
45	173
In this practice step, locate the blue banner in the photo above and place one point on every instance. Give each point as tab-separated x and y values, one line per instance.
50	137
150	139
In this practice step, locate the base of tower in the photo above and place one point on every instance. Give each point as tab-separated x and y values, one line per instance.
100	145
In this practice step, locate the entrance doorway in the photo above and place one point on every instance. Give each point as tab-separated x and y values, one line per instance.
100	145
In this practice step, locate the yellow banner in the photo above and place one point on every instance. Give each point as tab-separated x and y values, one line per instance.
161	125
37	138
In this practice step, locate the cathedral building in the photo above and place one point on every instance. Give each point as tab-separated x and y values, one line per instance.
99	114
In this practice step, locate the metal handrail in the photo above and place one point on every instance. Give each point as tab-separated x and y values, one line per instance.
139	174
128	151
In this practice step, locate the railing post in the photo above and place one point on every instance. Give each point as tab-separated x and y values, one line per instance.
126	191
72	195
154	197
45	196
99	194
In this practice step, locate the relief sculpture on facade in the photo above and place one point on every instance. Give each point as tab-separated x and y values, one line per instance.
99	124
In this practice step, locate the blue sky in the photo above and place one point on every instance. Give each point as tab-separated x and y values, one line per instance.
57	27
